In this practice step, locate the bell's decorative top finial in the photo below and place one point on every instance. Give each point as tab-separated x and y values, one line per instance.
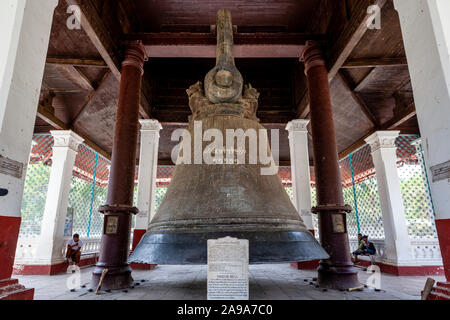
224	83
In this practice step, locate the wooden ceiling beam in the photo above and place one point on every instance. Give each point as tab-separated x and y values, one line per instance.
375	62
351	35
401	117
364	81
80	79
44	114
303	107
100	37
98	34
76	62
406	114
358	100
91	96
246	45
257	38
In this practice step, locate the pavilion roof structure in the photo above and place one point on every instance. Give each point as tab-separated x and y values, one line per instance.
368	72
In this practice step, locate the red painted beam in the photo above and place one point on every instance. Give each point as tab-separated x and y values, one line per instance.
209	51
203	45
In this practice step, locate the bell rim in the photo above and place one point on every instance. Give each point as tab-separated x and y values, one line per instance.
191	248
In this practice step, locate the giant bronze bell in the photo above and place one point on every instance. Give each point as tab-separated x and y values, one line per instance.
230	196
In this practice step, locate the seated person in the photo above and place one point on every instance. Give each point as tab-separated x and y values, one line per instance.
365	248
360	246
74	249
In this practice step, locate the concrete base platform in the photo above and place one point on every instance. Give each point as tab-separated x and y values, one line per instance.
267	282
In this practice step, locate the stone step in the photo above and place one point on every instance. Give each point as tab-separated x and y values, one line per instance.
443	290
443	284
438	296
16	292
7	289
10	289
8	282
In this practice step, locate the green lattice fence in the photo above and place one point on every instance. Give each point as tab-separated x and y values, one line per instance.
358	174
84	198
416	193
36	184
361	192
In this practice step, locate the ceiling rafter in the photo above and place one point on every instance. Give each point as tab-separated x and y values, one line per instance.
375	62
82	79
104	43
91	96
44	114
359	101
255	38
76	62
403	116
359	86
352	33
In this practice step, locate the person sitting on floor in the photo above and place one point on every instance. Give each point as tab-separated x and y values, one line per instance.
370	247
74	250
366	248
360	241
360	247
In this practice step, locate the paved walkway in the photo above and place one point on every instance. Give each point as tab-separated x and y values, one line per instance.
267	282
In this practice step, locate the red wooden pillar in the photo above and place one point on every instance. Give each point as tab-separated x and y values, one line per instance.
119	208
337	272
10	289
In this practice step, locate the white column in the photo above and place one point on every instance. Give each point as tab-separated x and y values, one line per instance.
384	153
24	33
301	180
51	241
148	164
426	35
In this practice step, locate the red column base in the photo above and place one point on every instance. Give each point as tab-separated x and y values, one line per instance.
50	270
142	266
10	289
407	270
137	236
306	265
443	231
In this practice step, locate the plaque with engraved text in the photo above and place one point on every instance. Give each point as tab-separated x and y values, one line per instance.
228	269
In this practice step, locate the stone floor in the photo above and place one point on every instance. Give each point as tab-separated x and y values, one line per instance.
267	282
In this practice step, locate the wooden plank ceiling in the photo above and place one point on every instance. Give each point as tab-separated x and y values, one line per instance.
369	78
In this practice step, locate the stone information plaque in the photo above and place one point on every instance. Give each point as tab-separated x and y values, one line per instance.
228	269
112	223
11	167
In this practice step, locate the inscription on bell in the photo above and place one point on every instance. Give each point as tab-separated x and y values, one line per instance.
228	269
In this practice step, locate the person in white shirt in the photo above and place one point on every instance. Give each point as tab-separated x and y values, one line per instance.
74	249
